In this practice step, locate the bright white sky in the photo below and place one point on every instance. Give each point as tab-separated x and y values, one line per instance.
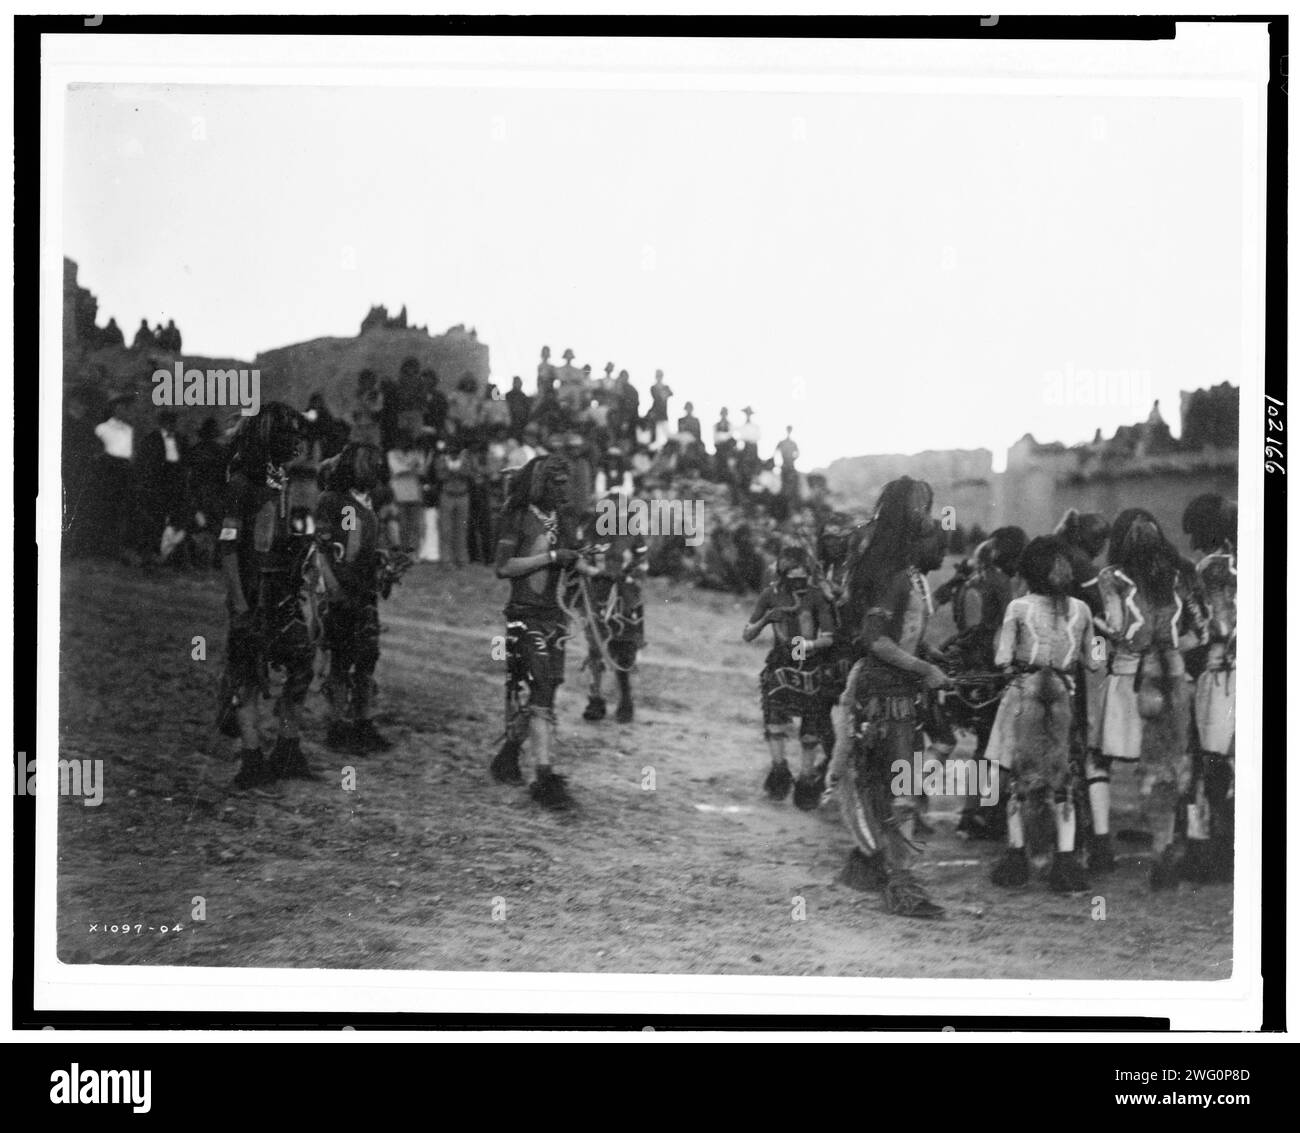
914	265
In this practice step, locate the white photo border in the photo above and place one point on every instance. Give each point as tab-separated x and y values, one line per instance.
1205	61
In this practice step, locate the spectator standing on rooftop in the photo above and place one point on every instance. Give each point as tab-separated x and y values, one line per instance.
788	451
144	339
747	460
689	423
629	403
545	372
724	447
659	396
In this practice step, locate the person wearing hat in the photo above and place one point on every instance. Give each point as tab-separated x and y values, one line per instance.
572	388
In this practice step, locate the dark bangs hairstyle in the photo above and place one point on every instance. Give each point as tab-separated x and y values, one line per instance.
1036	564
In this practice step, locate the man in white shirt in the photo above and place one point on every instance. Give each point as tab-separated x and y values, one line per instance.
116	476
116	434
747	462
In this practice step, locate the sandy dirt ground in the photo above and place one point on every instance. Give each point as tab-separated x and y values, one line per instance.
427	864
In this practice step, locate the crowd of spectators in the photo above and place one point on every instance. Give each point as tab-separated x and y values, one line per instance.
448	454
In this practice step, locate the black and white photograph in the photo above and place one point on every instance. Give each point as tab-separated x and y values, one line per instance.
574	522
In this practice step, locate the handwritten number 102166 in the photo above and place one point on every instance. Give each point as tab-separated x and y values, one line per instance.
1274	457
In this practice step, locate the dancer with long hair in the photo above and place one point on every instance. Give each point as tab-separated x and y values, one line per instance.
886	608
1147	593
1044	635
1211	523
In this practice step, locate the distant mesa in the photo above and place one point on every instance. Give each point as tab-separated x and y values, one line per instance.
99	361
1140	465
